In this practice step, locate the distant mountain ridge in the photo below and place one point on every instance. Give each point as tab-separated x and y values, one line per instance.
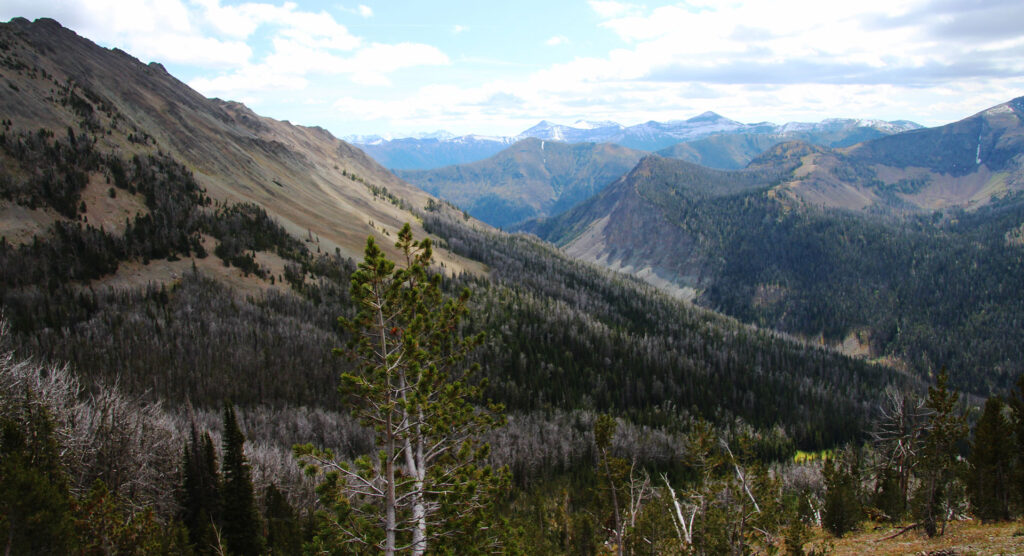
532	178
443	149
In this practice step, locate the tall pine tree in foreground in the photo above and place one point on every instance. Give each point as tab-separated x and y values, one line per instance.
938	465
426	488
242	529
990	462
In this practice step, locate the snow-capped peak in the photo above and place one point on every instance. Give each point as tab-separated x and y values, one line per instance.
584	124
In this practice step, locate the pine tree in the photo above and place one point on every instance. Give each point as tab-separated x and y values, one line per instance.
283	533
937	468
990	463
426	485
199	494
242	529
35	506
106	525
1017	403
843	509
613	471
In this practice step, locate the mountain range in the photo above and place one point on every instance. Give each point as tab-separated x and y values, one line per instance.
902	245
443	149
523	181
532	178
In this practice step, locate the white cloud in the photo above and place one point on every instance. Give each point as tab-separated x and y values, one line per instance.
609	8
371	65
258	47
557	40
293	63
245	82
388	58
191	49
459	29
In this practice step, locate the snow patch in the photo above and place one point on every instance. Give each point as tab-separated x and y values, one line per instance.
1001	109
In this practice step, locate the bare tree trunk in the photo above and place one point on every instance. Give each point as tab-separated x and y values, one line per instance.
615	505
684	530
417	468
389	501
390	517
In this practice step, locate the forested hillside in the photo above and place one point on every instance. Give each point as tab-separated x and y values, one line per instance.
927	290
561	335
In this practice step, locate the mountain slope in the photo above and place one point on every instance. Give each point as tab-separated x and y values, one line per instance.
963	164
311	182
626	230
529	179
725	152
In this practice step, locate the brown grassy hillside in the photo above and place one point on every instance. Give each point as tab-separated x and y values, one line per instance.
311	182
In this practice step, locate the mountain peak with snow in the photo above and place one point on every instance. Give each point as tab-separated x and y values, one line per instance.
649	136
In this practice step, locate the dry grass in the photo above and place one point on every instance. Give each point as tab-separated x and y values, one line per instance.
961	538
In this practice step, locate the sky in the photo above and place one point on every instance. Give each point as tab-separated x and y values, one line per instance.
405	67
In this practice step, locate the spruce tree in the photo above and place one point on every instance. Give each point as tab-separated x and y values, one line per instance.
990	463
843	508
1017	402
35	505
199	494
283	533
937	466
242	529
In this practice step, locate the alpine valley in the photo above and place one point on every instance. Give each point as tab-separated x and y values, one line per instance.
175	270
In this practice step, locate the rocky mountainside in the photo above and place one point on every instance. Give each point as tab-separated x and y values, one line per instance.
530	179
312	183
521	183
